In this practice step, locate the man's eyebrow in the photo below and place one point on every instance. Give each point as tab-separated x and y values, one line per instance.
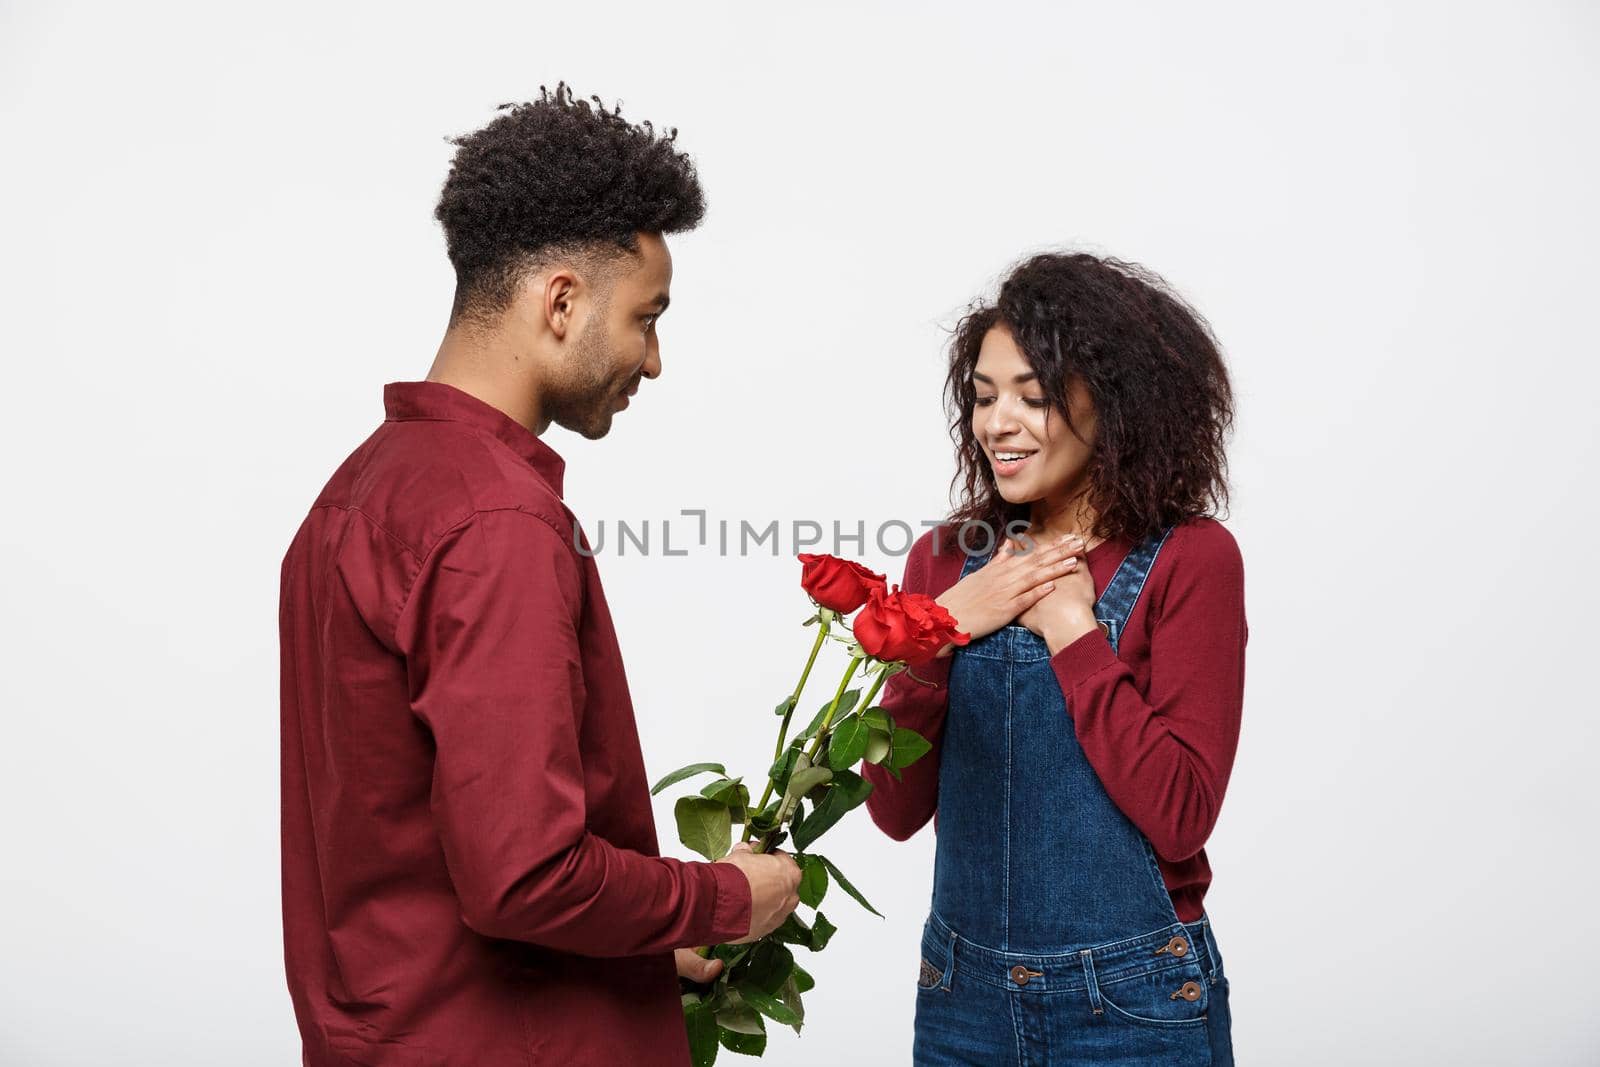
986	380
661	301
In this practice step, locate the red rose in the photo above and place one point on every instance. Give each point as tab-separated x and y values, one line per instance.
840	584
908	627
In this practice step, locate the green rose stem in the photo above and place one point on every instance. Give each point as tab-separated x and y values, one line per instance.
824	618
822	729
877	684
794	699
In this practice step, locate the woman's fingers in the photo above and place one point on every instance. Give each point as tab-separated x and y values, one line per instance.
1030	597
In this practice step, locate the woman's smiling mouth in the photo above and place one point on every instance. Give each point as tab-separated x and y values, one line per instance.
1008	463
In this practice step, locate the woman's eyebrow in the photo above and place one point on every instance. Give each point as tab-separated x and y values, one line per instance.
986	380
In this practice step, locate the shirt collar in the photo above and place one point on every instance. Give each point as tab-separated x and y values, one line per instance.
435	400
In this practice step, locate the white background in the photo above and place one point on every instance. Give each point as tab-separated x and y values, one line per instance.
218	245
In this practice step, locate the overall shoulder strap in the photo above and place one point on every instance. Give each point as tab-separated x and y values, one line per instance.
1122	592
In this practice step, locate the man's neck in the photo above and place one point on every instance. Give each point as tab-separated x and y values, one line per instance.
486	365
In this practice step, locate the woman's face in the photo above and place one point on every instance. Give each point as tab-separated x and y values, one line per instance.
1033	454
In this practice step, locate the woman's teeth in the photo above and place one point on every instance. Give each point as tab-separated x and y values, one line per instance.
1009	463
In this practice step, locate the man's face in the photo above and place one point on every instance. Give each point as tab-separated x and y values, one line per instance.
617	345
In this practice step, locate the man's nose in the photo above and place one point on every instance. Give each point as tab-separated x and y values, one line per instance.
652	360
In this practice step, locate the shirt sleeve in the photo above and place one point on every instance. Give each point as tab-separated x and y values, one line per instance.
490	635
916	699
1165	756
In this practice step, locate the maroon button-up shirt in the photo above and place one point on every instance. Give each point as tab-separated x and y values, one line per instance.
470	866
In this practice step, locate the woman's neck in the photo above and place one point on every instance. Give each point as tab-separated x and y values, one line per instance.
1053	519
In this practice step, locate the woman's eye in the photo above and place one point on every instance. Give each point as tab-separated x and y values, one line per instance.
983	401
1034	402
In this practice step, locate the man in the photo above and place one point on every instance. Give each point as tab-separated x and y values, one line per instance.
470	866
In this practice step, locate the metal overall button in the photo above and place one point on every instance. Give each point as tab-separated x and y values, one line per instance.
1177	946
1021	974
1188	991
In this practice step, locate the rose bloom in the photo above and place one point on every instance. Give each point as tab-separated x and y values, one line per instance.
840	584
908	627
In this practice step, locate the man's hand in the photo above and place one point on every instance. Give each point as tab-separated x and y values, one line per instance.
696	968
774	888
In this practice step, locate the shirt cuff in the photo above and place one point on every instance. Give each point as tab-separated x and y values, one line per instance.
730	908
1081	658
935	670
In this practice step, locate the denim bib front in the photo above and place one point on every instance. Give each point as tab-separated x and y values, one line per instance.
1052	938
1031	852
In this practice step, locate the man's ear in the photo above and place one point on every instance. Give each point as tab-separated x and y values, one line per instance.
560	301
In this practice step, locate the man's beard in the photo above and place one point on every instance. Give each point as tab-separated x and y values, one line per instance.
583	402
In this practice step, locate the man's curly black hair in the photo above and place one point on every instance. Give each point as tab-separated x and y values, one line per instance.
1162	399
556	175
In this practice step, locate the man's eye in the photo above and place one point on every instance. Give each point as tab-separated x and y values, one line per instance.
649	322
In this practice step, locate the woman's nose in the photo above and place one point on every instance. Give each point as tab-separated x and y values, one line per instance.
1003	419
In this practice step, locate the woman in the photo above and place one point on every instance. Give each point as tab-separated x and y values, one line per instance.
1084	737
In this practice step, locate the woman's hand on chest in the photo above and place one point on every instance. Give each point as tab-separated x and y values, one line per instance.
1013	583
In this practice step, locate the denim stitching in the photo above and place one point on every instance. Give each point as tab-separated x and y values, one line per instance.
1005	888
949	964
1087	956
1016	1006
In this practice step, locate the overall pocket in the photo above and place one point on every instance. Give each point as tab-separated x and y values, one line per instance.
934	961
1174	997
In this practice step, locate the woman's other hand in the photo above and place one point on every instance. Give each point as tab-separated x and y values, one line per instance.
1066	612
1011	584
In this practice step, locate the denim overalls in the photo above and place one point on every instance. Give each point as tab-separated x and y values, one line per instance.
1052	939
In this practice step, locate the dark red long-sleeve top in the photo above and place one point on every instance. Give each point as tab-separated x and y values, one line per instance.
470	865
1158	719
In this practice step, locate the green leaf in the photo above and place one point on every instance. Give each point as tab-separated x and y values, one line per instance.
733	793
821	933
878	746
803	981
704	825
909	746
802	781
878	719
687	772
702	1026
731	954
849	744
769	967
790	996
844	883
739	1017
769	1005
792	931
846	702
785	706
744	1044
813	880
784	766
848	791
767	817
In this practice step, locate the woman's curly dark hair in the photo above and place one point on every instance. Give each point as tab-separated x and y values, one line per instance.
556	173
1162	400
